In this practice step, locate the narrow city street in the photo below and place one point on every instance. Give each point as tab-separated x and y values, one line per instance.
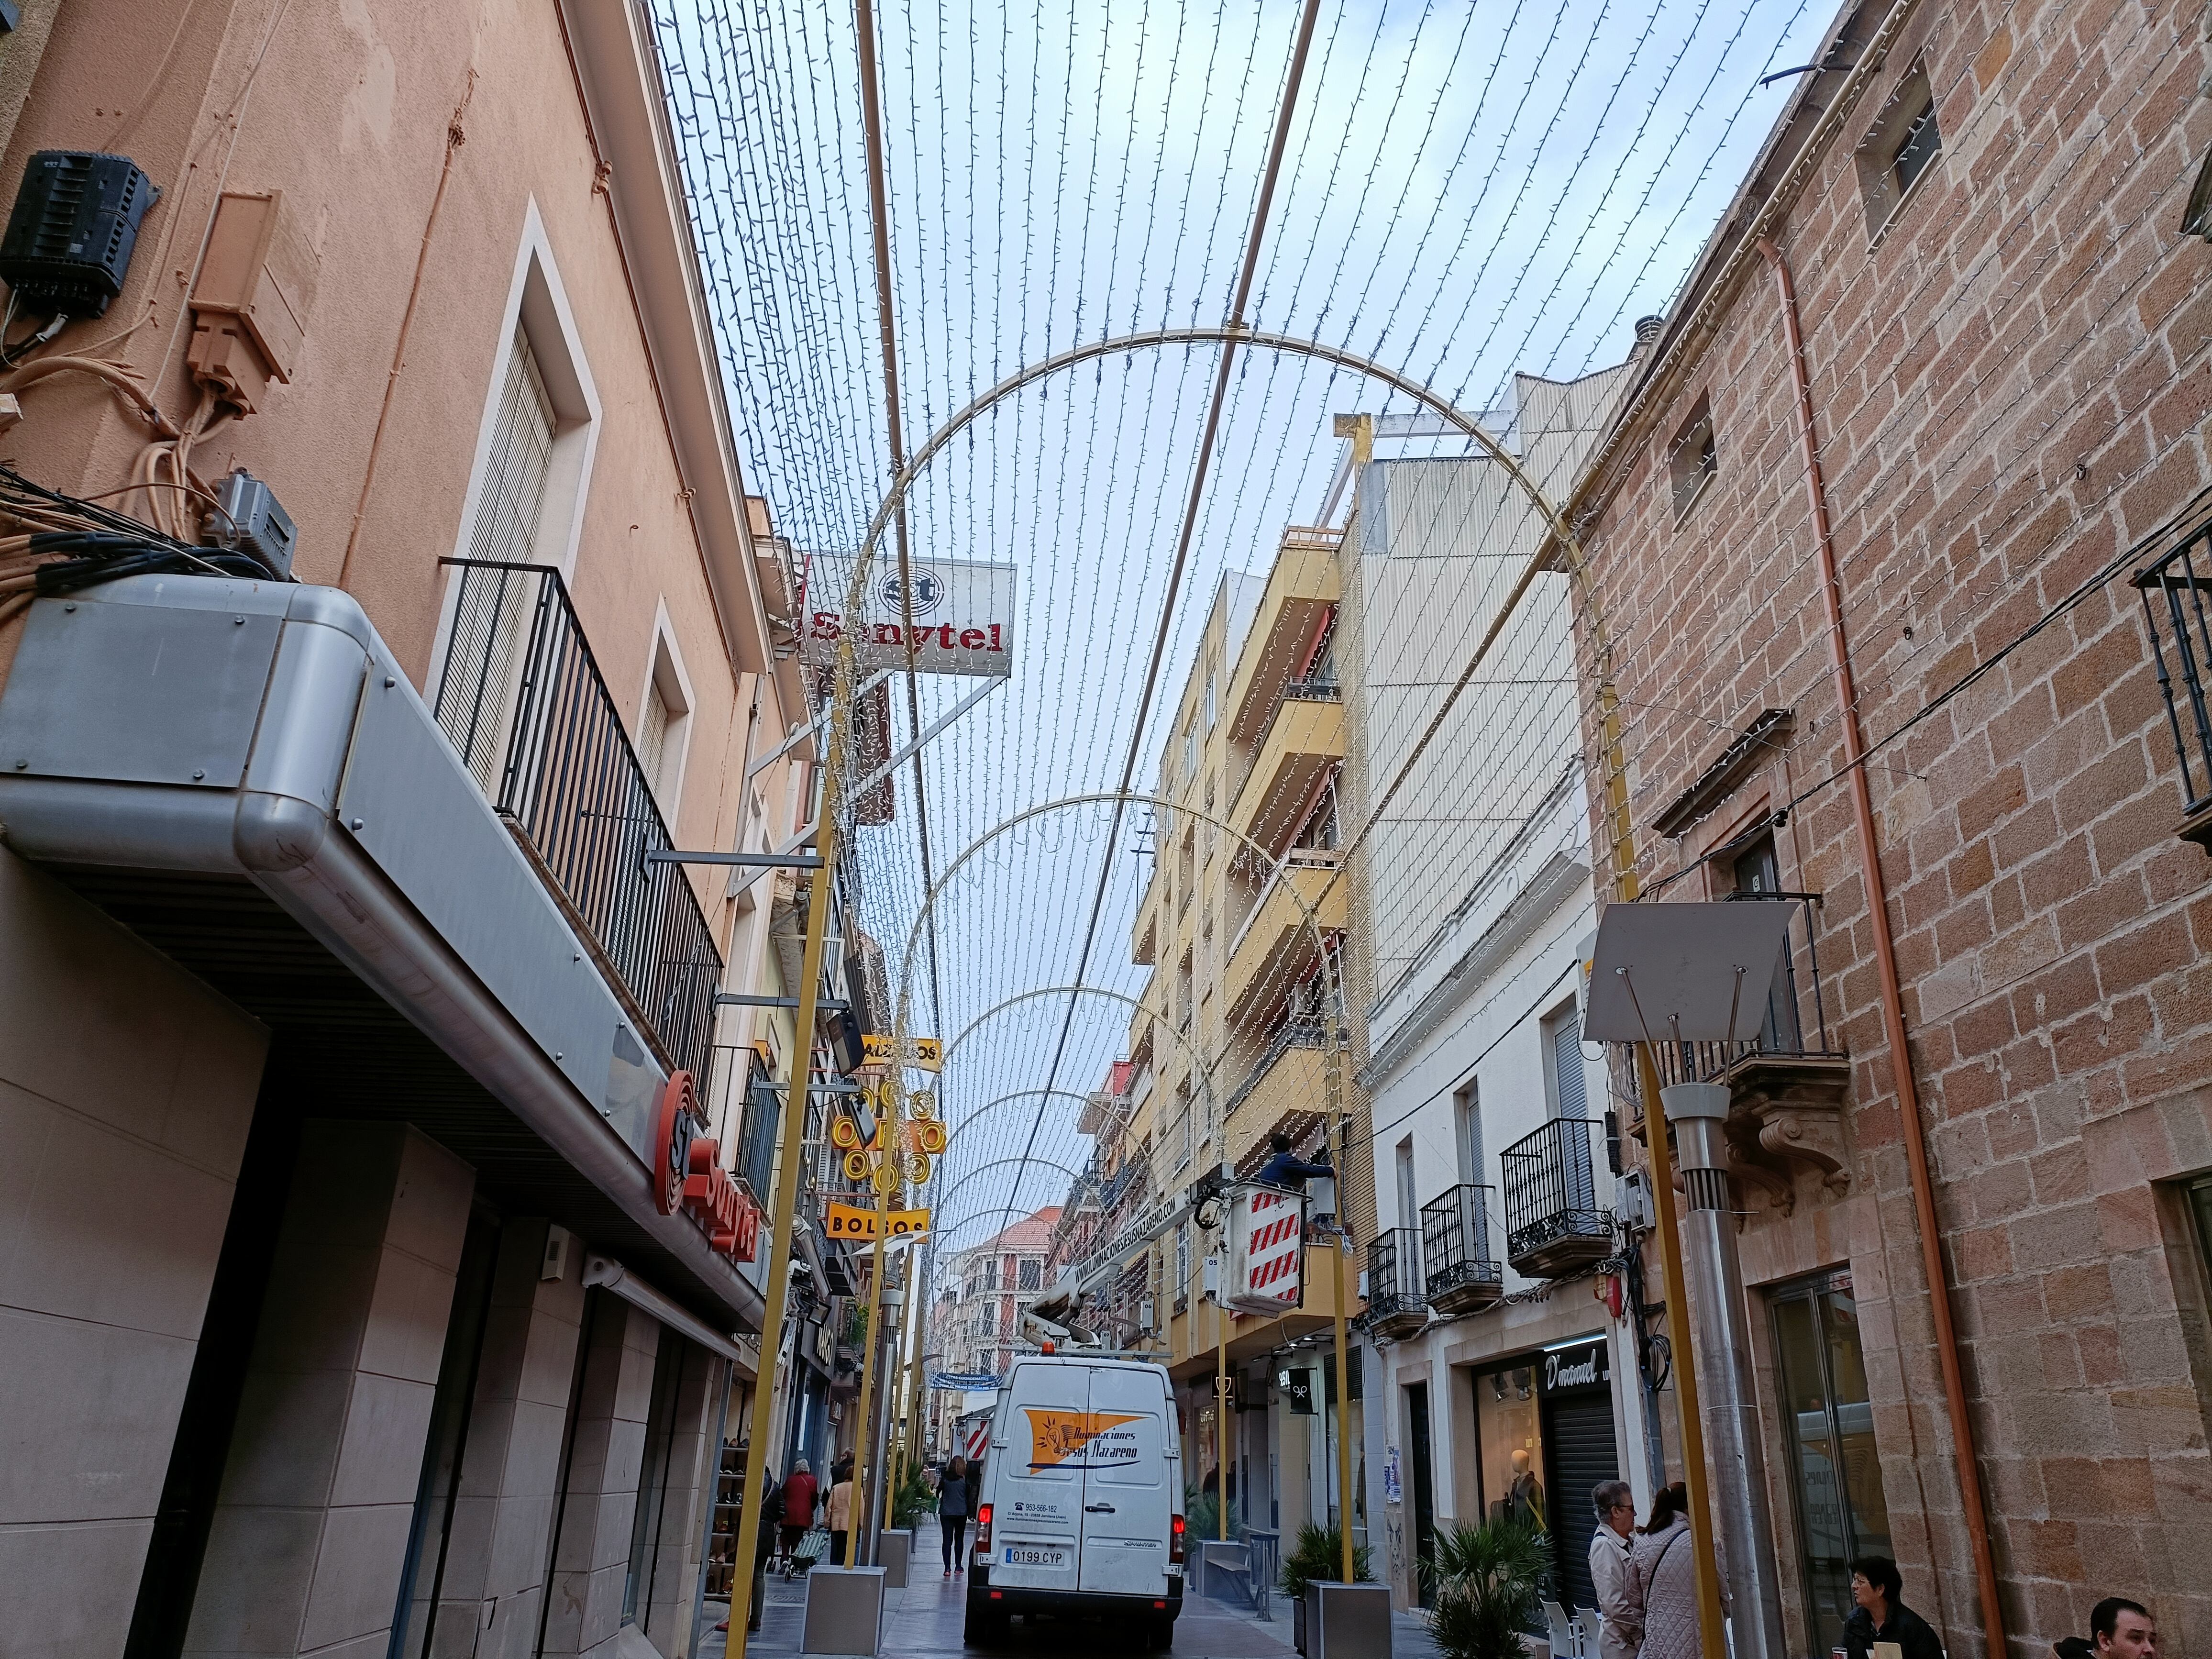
925	1619
1408	800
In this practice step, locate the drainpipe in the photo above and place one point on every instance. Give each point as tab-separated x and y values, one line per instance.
1892	1004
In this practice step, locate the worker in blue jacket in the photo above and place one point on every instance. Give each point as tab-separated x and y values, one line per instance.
1287	1169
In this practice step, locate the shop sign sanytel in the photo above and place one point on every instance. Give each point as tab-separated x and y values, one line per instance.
963	614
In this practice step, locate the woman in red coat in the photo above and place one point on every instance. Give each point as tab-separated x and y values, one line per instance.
799	1490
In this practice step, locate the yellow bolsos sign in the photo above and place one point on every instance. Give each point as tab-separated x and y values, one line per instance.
923	1053
847	1221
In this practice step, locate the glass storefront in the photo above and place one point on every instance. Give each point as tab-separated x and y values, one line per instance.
1544	1438
1835	1476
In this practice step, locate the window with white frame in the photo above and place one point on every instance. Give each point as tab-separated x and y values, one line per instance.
534	449
664	720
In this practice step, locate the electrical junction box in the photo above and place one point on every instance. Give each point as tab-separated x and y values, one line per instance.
1266	1235
248	516
250	301
69	239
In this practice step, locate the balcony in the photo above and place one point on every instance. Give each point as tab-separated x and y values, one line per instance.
1302	591
1554	1222
1285	1089
242	773
1462	1272
1304	738
1786	1085
1396	1309
1275	945
523	701
2173	595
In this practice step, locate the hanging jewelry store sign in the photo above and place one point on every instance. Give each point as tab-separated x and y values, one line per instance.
962	615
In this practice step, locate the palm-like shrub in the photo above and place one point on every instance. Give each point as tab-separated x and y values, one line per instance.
914	1498
1317	1557
1487	1580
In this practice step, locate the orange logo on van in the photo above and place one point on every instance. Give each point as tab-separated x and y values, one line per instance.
1088	1439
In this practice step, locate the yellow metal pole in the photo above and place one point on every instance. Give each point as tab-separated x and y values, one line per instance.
889	1182
1332	1067
1685	1362
1221	1409
785	1204
1360	428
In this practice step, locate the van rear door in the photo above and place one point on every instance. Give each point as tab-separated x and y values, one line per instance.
1128	1508
1036	1487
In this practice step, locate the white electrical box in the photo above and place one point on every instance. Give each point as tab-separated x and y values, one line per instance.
1266	1235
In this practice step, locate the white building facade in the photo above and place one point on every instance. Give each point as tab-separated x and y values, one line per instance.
1504	1366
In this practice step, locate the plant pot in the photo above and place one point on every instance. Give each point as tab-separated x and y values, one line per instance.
1298	1622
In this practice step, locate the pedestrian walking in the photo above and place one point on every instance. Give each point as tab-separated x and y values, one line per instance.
953	1506
841	1512
1620	1619
1663	1578
799	1490
1881	1615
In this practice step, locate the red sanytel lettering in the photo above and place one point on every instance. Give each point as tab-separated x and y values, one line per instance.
825	625
971	639
995	645
944	636
889	634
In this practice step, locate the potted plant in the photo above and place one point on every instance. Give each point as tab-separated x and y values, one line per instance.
1487	1580
1318	1557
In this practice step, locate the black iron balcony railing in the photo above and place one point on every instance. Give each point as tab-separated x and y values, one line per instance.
1459	1260
1554	1222
1394	1279
523	701
755	1163
2173	591
1795	1024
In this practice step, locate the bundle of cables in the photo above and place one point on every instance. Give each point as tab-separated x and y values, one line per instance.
65	546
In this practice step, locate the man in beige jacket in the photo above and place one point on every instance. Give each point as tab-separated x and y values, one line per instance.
1620	1621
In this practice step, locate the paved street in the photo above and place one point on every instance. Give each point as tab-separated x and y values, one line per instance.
926	1619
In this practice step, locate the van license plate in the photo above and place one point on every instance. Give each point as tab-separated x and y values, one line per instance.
1034	1555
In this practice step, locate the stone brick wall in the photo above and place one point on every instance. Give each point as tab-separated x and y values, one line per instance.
2010	383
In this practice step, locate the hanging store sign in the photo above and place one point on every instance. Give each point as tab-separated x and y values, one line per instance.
923	1053
963	1381
847	1221
1266	1250
962	615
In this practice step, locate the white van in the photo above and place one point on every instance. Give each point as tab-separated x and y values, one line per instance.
1081	1507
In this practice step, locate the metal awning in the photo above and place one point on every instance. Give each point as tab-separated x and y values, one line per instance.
240	772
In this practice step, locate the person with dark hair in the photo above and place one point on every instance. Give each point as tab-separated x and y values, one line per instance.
1663	1578
1620	1626
1285	1169
2119	1629
1881	1615
953	1507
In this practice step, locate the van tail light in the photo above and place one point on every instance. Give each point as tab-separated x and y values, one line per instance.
983	1531
1174	1547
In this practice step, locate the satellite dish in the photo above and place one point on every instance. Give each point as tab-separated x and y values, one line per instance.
1684	973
